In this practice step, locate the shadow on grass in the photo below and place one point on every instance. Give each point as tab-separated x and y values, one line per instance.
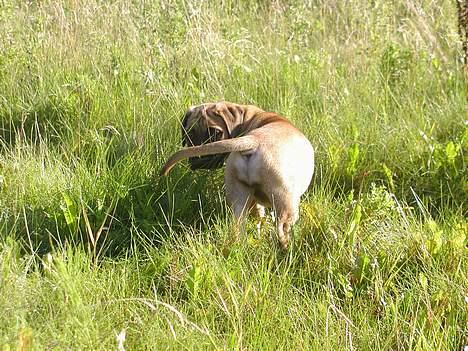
158	206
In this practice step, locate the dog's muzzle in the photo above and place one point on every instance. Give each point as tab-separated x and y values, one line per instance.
206	162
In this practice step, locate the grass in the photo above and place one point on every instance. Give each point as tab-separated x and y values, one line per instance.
98	252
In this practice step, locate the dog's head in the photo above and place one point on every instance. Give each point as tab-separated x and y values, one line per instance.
207	123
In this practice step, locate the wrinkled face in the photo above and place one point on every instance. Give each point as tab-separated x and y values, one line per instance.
197	129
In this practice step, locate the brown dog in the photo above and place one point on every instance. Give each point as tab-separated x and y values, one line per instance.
268	161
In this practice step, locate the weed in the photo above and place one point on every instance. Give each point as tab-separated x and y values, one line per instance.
98	252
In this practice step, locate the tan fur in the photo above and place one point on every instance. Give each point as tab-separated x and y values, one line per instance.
269	163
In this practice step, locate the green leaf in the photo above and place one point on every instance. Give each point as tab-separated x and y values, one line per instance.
69	209
451	151
423	281
434	244
351	196
194	280
389	175
355	221
459	237
334	155
353	158
362	267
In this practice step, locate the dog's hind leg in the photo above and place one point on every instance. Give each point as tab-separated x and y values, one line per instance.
240	199
241	202
283	227
286	215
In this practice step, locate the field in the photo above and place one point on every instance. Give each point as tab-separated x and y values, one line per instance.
97	252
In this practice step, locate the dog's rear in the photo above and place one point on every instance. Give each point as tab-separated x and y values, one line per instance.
275	174
269	162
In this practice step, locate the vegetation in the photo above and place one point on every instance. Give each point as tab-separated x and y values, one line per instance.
98	252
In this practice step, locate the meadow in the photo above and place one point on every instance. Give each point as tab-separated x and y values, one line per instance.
97	252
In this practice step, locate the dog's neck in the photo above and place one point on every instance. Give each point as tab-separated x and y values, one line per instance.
256	121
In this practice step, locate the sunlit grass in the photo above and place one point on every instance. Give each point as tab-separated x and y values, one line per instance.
97	251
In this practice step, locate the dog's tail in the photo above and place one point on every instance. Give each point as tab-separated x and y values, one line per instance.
244	143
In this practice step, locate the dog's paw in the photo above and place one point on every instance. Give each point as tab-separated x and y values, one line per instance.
284	244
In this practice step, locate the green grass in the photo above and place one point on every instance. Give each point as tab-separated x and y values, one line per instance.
93	244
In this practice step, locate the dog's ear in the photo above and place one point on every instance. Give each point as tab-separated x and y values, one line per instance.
223	117
208	123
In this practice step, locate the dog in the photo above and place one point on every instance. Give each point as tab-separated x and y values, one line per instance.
269	162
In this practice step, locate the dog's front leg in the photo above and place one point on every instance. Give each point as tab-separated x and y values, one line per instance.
259	212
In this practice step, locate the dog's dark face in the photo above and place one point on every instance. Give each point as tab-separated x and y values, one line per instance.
205	124
212	122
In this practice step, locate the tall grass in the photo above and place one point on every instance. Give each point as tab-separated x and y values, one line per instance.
98	252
